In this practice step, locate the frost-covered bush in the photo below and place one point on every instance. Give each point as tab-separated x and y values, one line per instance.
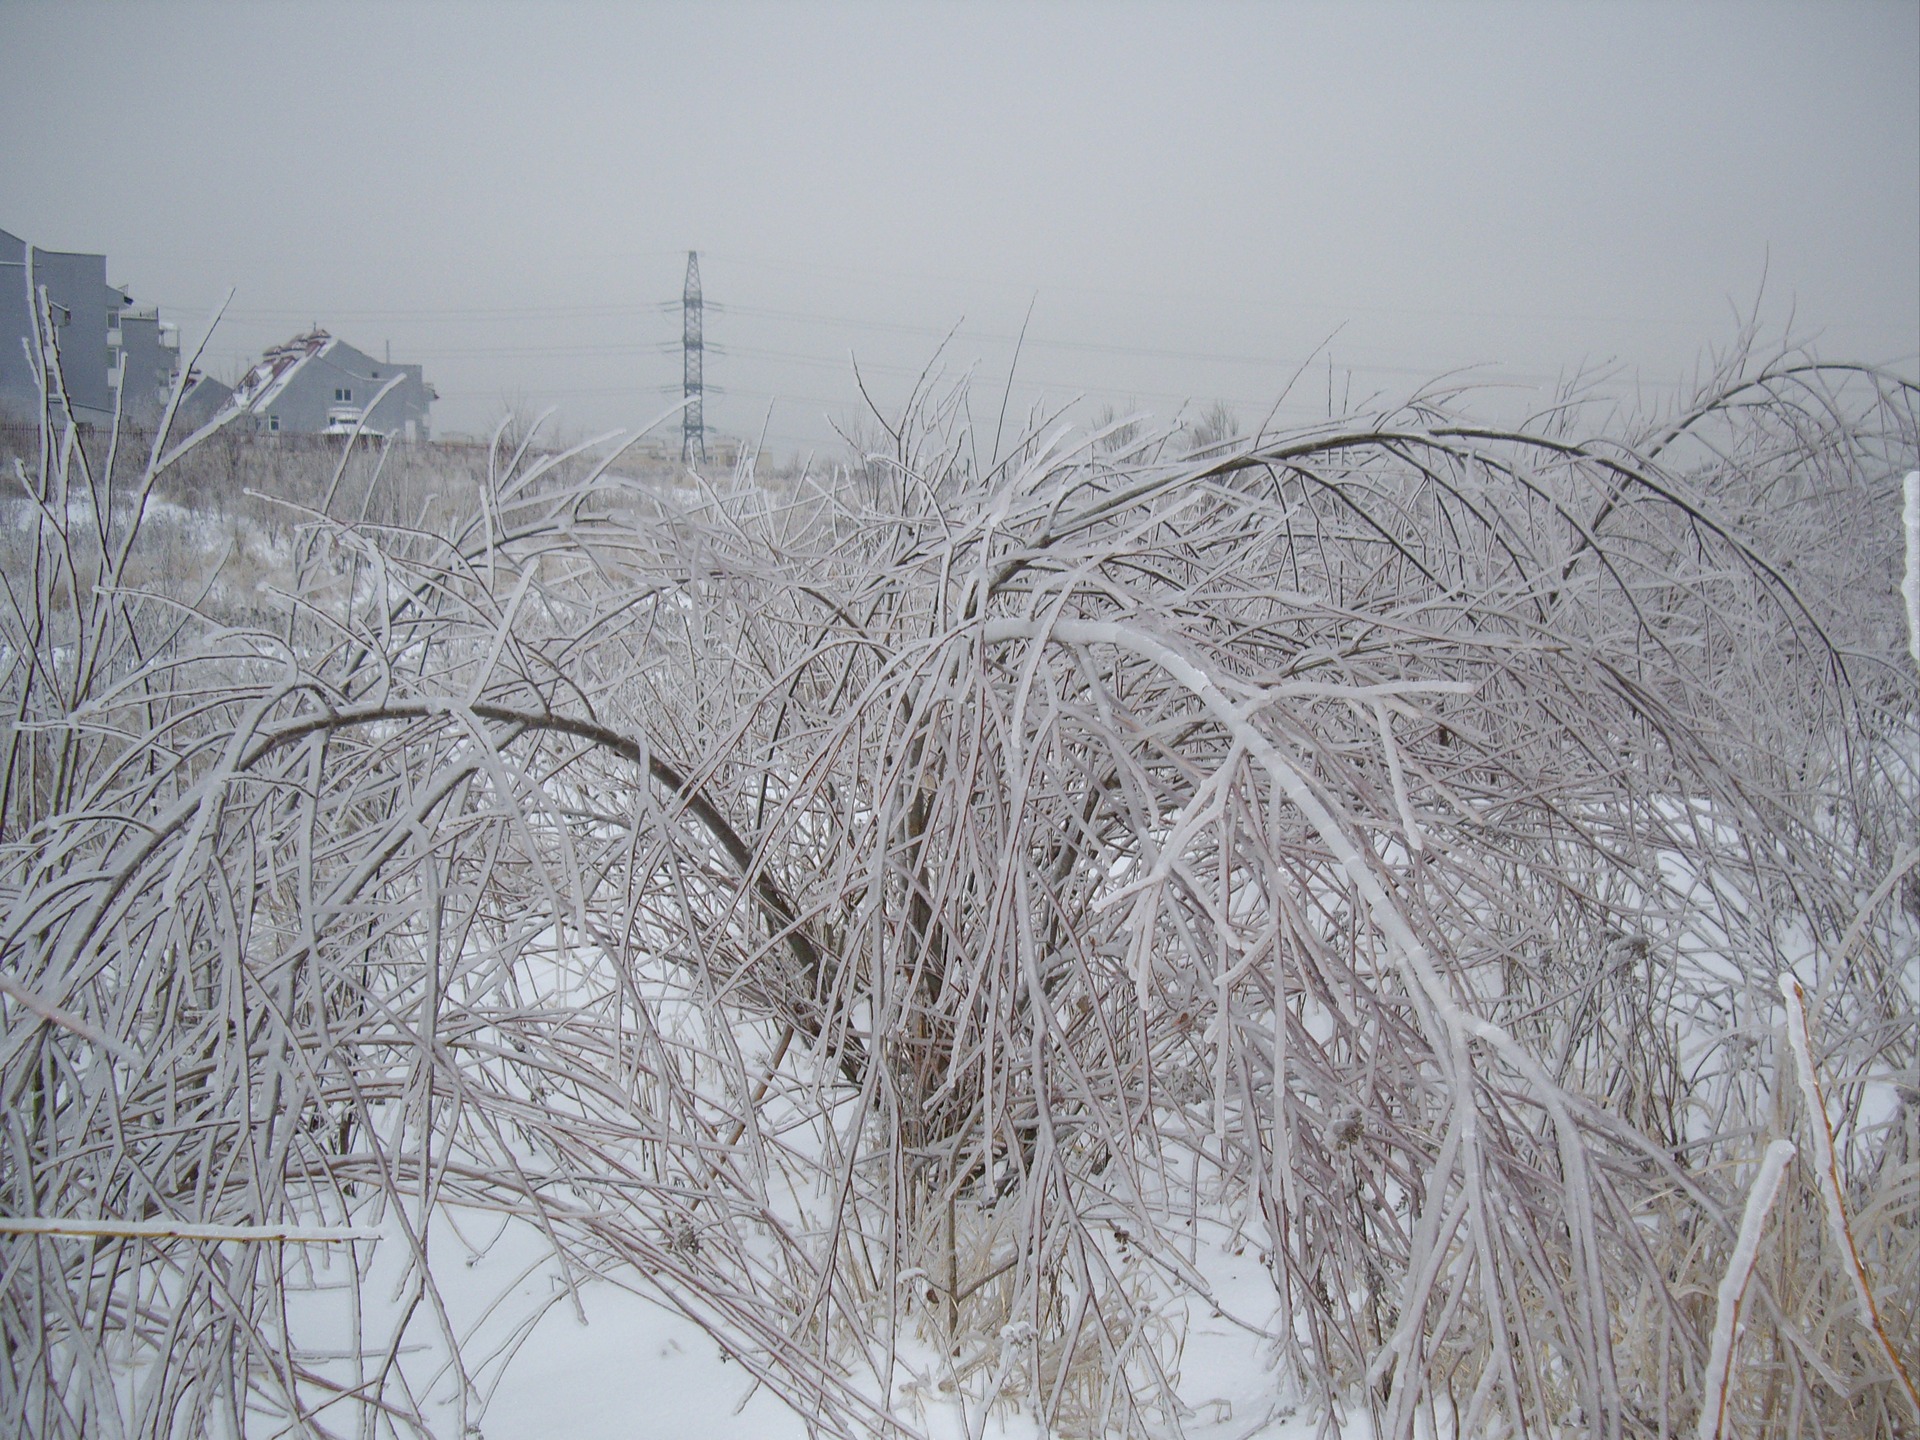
918	921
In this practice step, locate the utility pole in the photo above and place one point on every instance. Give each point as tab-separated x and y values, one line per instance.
693	438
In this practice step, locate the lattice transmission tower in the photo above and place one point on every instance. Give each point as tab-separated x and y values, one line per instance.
693	435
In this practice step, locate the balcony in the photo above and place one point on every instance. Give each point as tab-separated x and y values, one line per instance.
345	419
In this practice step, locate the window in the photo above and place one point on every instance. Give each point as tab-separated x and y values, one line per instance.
273	424
342	394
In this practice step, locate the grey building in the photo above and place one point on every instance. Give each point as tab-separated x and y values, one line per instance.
144	358
78	295
317	385
19	390
106	343
202	398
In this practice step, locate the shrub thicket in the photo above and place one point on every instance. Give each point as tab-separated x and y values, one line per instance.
924	909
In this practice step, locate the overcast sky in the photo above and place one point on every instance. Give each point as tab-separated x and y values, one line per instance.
1194	200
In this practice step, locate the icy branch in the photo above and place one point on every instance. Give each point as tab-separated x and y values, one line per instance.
1827	1173
1733	1285
1910	586
180	1230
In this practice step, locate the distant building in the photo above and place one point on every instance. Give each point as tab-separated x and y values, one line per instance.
145	353
76	288
105	341
120	357
723	451
202	398
317	385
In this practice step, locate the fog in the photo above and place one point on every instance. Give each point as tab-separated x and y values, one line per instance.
1299	207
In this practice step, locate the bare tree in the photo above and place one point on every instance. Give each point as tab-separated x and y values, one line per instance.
1214	428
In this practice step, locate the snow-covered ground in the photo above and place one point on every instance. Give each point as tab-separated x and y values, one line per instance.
600	1362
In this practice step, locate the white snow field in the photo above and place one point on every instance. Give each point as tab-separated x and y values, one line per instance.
622	1367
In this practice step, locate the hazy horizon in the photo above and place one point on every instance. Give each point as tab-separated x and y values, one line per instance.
1179	204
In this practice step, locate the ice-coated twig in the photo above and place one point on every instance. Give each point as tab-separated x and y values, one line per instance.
82	1227
1827	1173
1910	586
1733	1285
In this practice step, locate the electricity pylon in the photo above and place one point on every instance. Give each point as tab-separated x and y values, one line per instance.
693	437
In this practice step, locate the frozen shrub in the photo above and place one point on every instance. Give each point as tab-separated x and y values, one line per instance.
921	913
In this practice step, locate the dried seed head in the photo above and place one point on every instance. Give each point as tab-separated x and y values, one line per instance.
1345	1128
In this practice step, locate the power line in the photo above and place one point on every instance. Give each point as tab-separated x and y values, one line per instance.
450	314
879	327
865	275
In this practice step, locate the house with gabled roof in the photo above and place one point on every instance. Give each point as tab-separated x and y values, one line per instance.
315	384
201	398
